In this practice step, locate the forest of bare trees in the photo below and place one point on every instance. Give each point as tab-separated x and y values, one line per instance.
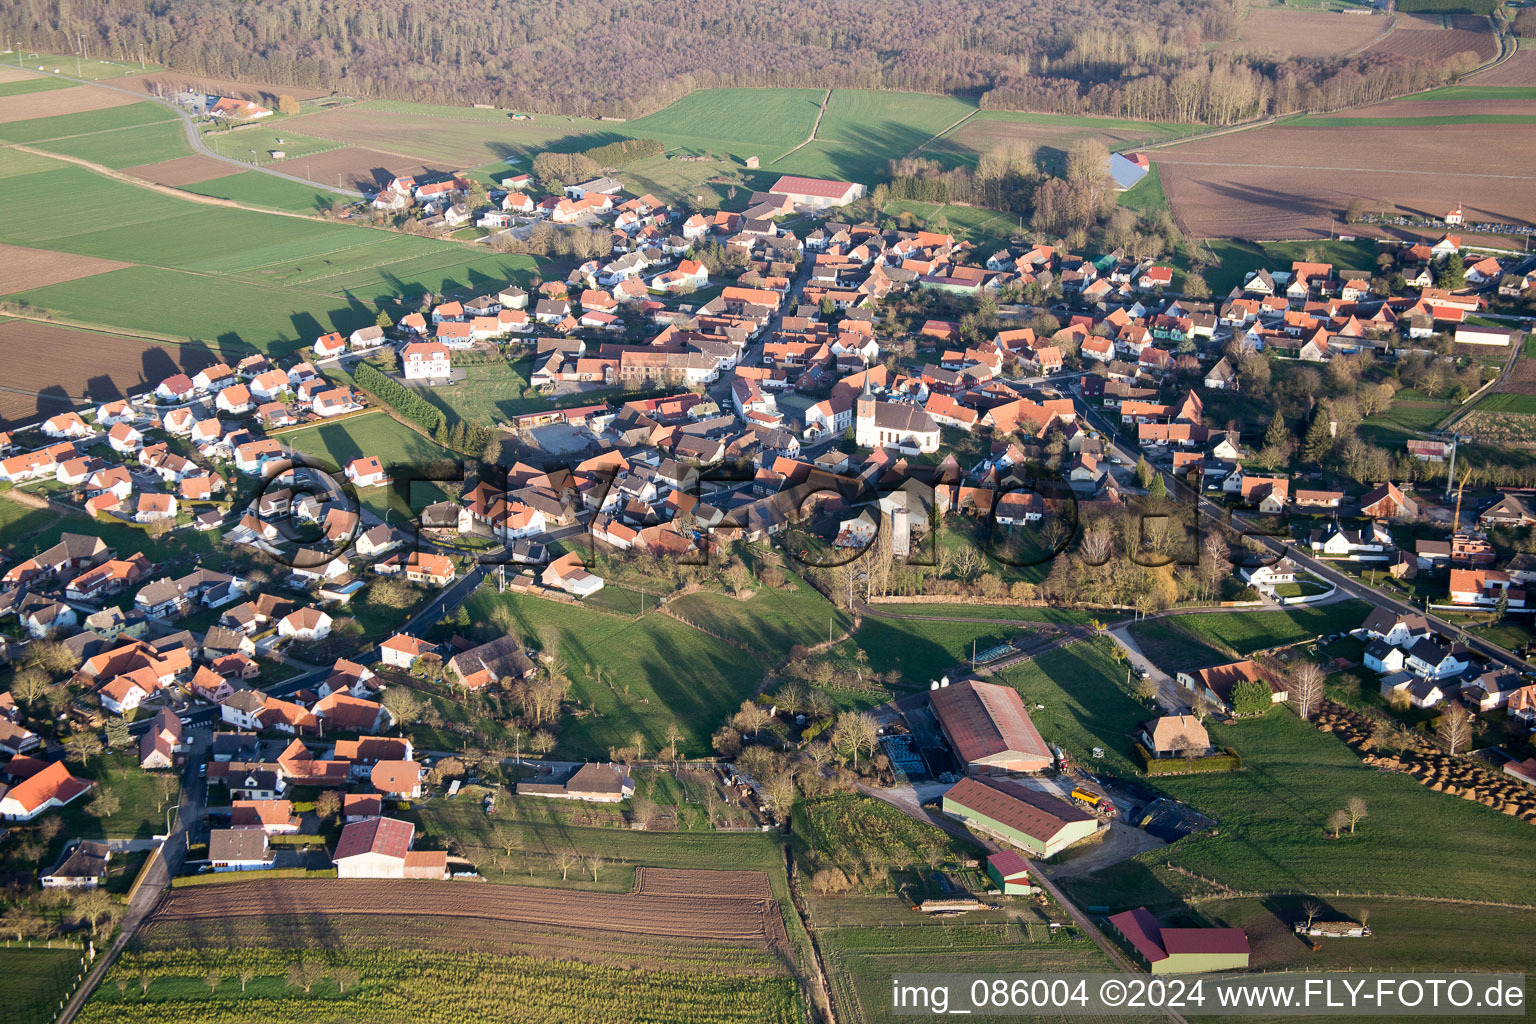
1145	59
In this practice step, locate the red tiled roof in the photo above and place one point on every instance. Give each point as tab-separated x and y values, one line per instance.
386	836
985	719
1029	811
791	185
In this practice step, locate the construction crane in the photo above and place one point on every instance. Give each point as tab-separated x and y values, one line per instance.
1450	439
1456	522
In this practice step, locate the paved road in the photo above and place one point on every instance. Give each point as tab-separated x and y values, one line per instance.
195	137
445	603
906	801
189	816
1347	586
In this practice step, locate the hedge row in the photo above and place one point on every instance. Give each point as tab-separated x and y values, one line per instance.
625	151
399	397
1227	762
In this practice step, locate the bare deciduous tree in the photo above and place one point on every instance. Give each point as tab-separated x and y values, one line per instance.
1355	810
305	974
595	864
1455	729
564	861
1311	908
1306	689
1337	822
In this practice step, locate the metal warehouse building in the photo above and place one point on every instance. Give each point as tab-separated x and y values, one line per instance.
989	729
1180	950
1014	813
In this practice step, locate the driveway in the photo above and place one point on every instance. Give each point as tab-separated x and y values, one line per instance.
1120	843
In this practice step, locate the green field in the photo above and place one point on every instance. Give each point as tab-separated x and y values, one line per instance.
1271	817
744	122
1147	194
257	189
1407	417
255	144
376	434
138	815
35	981
1407	935
398	986
1198	640
39	128
924	649
126	147
347	270
92	68
986	229
655	672
1503	401
1331	121
1475	92
863	130
1086	702
771	622
26	86
177	303
1172	645
490	393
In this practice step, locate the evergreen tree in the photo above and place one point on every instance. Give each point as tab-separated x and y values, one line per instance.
1319	441
383	320
1158	488
1143	472
1454	274
1278	435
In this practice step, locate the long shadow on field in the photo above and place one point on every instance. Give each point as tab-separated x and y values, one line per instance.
307	326
102	388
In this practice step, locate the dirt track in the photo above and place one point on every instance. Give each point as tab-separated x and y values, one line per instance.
739	919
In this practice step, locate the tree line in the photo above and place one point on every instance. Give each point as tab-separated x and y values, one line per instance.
1132	58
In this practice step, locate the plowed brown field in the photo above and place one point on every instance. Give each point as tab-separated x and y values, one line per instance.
359	168
52	368
74	100
22	268
1520	69
1422	35
1286	182
1295	33
737	919
683	882
183	170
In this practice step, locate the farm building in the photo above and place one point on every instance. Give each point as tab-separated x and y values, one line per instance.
373	848
1009	872
988	728
1180	950
1013	812
817	193
1128	169
593	783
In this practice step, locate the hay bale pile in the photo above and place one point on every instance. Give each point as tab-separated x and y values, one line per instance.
1433	767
